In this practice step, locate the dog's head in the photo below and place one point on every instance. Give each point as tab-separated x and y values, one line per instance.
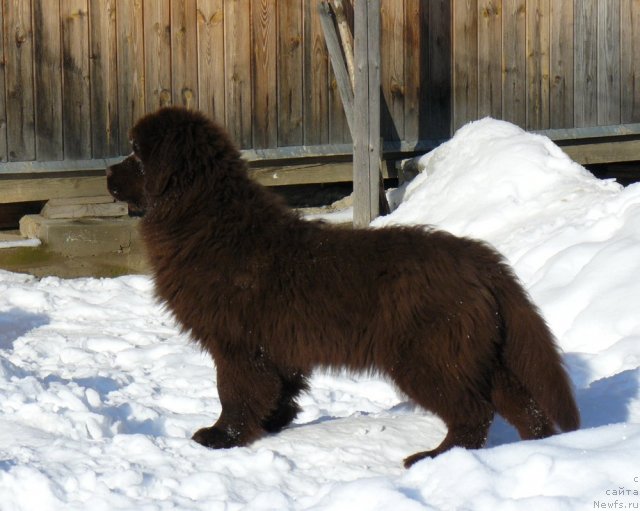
172	149
125	182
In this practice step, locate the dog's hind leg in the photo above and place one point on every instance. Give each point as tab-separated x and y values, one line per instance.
461	402
286	408
467	427
516	405
249	391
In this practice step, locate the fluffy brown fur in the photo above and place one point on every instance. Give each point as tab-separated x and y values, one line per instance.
271	297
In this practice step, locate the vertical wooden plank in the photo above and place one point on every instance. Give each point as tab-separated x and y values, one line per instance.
392	62
490	58
237	49
465	62
374	147
366	125
514	58
264	76
316	73
562	47
18	48
585	63
48	80
104	78
538	66
416	63
630	60
211	77
436	99
184	49
157	54
130	54
3	111
609	62
76	94
290	77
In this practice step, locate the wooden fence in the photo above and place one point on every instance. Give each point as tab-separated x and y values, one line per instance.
547	63
76	74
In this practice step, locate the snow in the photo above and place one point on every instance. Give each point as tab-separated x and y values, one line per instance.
19	243
99	392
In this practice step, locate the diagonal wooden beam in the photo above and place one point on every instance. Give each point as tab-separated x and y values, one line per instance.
337	61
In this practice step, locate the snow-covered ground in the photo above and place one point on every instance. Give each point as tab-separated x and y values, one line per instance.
99	392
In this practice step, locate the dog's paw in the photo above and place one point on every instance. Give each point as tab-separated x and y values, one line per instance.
215	438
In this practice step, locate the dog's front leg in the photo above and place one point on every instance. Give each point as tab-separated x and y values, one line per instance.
248	392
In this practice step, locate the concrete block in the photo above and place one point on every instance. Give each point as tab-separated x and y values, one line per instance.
83	236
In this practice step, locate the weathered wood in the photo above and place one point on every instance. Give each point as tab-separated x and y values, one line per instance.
629	59
609	61
303	173
75	201
339	131
104	91
465	61
3	117
392	61
76	91
538	64
514	73
48	80
346	38
261	68
577	134
436	93
604	152
157	54
377	198
82	207
416	66
184	49
211	77
290	75
366	121
562	49
264	66
237	50
45	188
25	190
490	65
130	56
316	66
341	74
585	63
18	49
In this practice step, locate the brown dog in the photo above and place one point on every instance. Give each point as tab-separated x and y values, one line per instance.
271	296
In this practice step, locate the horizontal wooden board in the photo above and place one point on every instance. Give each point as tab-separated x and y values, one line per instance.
24	190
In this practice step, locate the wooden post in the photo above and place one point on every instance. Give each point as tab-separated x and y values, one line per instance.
366	125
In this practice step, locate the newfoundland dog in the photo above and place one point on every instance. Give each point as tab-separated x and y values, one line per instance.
271	297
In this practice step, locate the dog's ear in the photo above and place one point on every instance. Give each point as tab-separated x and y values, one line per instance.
159	174
156	154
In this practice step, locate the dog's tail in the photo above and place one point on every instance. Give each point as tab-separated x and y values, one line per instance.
531	355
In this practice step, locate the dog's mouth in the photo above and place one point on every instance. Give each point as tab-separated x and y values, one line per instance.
111	186
136	208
